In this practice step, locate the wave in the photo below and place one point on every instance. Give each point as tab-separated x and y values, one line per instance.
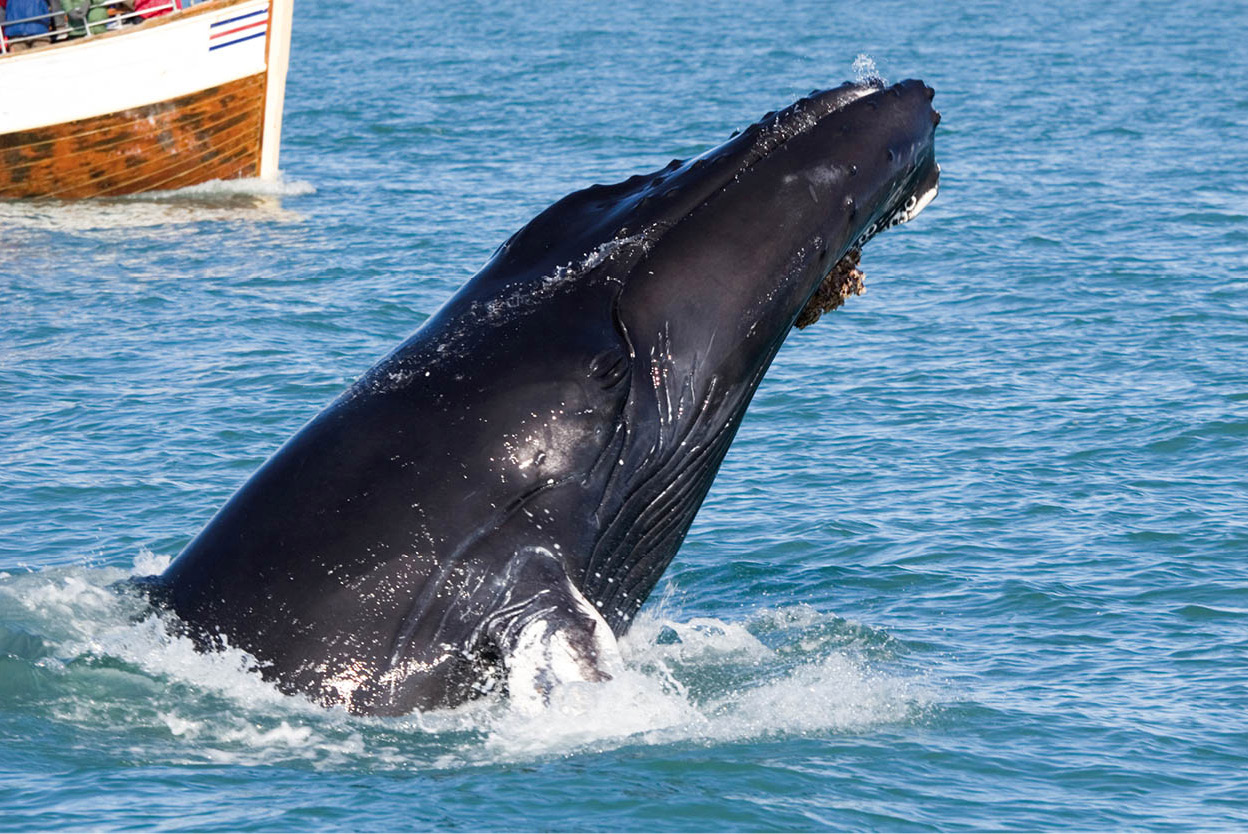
73	652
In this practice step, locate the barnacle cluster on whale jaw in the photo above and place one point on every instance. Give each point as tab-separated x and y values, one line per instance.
842	281
845	279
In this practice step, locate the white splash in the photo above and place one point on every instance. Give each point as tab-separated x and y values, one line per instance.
865	70
247	186
107	661
148	563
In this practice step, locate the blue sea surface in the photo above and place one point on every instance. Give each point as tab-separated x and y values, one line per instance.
978	559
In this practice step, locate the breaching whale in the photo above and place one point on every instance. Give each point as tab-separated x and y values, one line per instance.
492	502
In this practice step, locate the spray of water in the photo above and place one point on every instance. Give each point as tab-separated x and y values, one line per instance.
865	70
102	661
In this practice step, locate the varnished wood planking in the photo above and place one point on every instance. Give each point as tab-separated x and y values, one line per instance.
212	134
232	157
190	165
139	162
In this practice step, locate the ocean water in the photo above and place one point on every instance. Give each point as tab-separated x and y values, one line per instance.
978	559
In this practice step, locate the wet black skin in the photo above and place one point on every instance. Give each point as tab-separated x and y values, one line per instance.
560	419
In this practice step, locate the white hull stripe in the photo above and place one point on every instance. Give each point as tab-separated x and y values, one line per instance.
160	61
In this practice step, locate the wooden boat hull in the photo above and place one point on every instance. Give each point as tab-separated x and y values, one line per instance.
212	134
222	125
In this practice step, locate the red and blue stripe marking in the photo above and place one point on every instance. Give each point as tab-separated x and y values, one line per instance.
235	30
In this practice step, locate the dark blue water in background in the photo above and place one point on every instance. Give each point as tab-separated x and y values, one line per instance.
977	560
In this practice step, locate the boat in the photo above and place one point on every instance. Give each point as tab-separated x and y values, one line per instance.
142	95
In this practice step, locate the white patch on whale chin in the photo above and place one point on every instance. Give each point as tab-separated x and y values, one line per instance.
910	210
923	199
914	204
545	658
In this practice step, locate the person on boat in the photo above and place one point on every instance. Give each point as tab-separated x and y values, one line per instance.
27	31
82	13
148	9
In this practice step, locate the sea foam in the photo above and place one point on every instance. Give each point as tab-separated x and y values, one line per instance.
107	662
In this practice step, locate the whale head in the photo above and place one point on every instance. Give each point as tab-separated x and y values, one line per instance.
676	290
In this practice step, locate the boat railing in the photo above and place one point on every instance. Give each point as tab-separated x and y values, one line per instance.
62	25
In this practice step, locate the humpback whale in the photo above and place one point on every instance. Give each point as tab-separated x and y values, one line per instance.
489	505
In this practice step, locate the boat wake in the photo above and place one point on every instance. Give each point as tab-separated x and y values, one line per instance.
215	189
75	655
219	201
